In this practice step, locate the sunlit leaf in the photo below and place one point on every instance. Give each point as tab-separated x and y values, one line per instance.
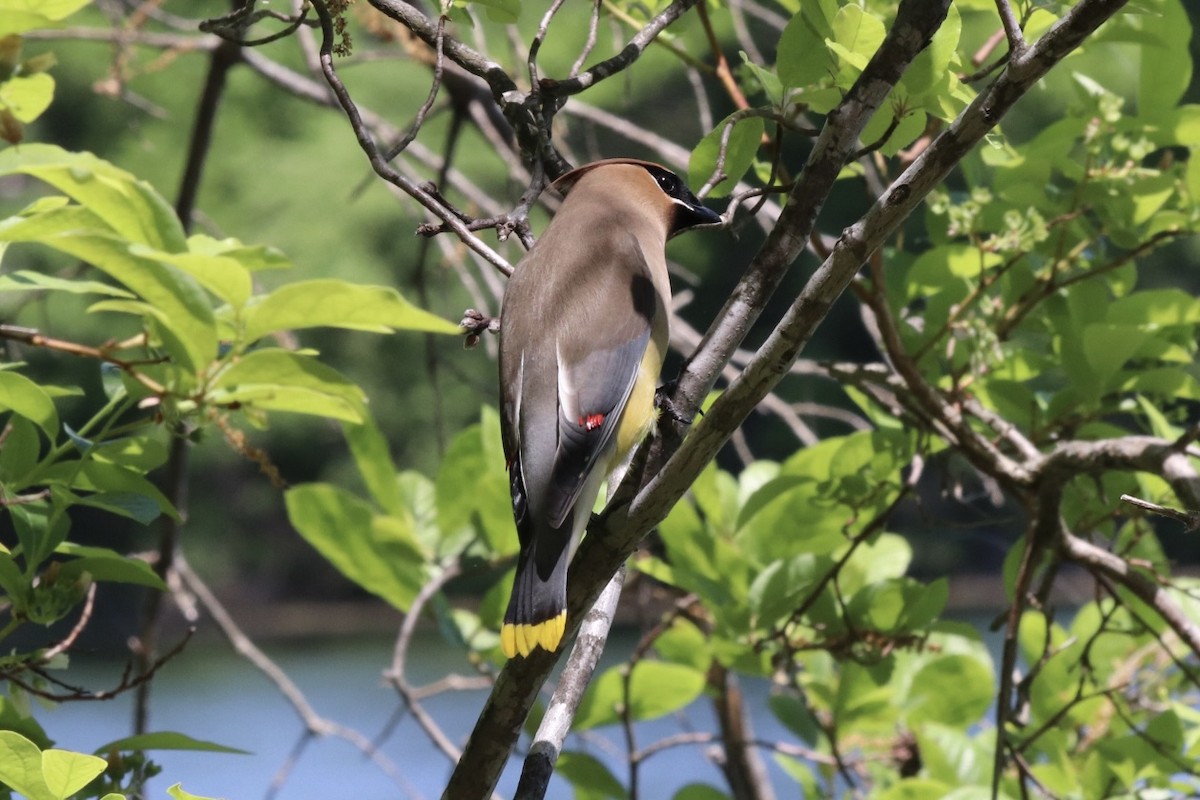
274	379
379	553
21	767
27	96
655	688
338	304
22	396
27	280
66	773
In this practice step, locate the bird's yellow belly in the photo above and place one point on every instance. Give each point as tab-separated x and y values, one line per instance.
640	413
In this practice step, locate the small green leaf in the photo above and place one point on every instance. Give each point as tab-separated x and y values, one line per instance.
27	96
12	581
601	701
683	643
100	476
338	304
741	146
1108	347
177	793
22	396
106	565
699	791
65	773
166	740
658	688
796	716
588	776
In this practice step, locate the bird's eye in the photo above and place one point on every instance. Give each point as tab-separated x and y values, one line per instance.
668	182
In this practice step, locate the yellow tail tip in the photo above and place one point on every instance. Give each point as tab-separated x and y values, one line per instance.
524	638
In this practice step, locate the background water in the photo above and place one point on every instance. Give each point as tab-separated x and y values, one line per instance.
210	693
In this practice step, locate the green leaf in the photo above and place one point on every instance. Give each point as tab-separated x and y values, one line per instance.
1166	63
473	490
740	149
778	589
131	208
107	565
177	792
180	304
952	755
100	476
27	96
803	58
137	507
796	716
165	740
223	276
21	767
655	688
373	456
699	791
22	447
857	34
27	280
588	776
1109	347
12	581
274	379
928	701
684	643
22	396
379	553
17	16
927	69
951	266
601	701
65	773
338	304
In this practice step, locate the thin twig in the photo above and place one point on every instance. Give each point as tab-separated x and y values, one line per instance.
244	646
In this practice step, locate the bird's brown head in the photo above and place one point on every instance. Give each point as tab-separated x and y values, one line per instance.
682	208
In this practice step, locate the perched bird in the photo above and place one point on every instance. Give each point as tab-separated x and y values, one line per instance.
583	333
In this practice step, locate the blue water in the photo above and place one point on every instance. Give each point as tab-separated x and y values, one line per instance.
210	693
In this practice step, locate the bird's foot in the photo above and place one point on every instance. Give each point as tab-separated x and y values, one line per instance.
668	408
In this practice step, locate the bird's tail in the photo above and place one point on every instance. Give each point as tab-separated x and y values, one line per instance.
537	610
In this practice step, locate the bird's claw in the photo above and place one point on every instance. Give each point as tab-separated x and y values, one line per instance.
668	408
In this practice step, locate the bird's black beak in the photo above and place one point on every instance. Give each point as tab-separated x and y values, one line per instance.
690	213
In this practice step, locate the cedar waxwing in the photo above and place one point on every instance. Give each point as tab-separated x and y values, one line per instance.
583	333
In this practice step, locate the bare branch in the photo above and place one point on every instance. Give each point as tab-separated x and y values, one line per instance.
1189	518
245	647
577	674
376	157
